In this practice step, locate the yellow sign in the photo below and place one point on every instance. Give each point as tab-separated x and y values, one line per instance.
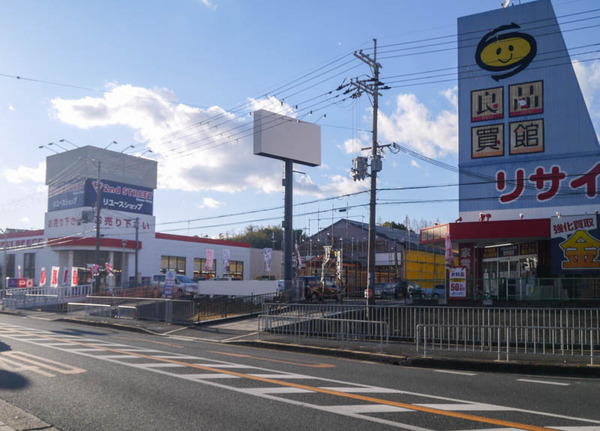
580	251
505	52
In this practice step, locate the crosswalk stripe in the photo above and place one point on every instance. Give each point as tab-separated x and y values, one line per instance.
471	407
274	391
363	390
367	408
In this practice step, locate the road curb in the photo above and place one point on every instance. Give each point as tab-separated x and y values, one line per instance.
513	367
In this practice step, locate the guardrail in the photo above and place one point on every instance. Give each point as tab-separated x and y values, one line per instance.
86	309
341	330
506	341
41	296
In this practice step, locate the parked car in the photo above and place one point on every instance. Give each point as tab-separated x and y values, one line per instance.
414	291
313	290
439	291
384	291
184	286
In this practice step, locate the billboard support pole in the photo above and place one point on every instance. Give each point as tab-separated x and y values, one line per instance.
288	226
97	253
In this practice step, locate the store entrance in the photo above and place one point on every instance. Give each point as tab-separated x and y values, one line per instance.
509	278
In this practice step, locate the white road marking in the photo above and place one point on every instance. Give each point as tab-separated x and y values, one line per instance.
267	374
159	365
469	407
363	390
206	376
544	382
281	376
276	390
460	373
368	408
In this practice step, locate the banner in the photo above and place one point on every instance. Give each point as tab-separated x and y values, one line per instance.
74	277
449	257
298	256
109	268
54	276
209	259
226	262
94	269
458	282
65	279
20	272
169	284
43	277
267	254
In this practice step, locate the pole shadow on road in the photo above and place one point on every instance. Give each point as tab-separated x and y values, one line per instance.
10	380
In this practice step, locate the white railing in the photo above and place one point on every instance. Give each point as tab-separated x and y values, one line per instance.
340	330
39	296
508	341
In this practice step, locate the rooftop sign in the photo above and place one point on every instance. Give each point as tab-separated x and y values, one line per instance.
527	146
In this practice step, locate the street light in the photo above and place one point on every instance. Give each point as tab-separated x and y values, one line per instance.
125	149
147	151
48	148
64	140
59	146
113	142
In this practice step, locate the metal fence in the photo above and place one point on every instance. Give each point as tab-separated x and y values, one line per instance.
506	341
574	328
344	331
31	297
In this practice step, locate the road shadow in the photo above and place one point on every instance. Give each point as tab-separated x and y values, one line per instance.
10	380
4	347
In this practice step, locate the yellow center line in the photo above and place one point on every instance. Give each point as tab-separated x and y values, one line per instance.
301	364
458	415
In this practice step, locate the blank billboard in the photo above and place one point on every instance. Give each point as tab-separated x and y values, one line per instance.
286	138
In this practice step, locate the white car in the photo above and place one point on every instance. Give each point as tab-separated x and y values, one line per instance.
184	286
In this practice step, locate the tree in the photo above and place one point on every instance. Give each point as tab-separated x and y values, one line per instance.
394	225
261	237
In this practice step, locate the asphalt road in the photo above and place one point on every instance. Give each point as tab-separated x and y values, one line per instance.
77	377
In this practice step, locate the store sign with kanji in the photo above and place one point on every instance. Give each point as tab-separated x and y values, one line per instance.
575	244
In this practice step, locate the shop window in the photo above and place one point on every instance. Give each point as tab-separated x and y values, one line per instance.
200	269
29	265
174	263
10	265
236	269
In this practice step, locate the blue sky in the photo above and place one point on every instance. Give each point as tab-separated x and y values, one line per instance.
180	78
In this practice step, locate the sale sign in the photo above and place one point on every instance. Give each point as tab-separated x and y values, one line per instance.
458	283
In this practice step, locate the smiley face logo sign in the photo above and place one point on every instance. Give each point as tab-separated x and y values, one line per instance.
503	50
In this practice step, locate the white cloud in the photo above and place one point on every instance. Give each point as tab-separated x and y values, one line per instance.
11	108
413	125
588	75
209	4
211	203
414	163
198	149
23	174
351	146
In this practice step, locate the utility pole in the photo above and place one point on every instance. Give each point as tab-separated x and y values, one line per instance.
371	86
97	254
137	235
4	272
